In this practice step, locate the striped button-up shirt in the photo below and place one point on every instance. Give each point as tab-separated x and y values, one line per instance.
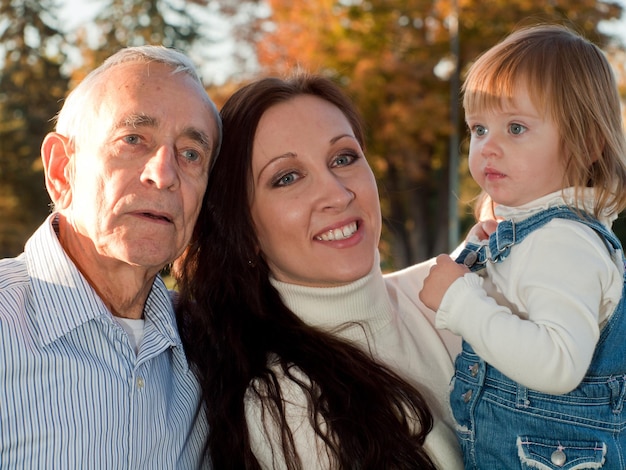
73	392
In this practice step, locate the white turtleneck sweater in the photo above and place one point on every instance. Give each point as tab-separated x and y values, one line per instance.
398	330
536	316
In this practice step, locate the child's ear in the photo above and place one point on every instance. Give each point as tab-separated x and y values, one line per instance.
56	155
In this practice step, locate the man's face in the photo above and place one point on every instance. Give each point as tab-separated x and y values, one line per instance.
139	172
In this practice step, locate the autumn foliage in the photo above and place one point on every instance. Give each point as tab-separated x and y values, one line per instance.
400	60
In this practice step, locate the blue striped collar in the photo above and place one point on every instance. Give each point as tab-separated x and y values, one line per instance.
57	283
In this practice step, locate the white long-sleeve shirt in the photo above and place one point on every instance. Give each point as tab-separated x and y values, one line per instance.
536	316
398	330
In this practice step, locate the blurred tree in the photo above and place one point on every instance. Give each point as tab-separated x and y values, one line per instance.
34	79
122	23
395	58
617	55
31	85
189	25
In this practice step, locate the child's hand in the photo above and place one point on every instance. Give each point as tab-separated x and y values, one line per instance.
441	276
482	229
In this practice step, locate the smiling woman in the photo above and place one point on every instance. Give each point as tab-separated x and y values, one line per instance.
309	357
315	203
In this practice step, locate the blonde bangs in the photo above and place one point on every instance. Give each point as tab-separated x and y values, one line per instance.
492	81
487	85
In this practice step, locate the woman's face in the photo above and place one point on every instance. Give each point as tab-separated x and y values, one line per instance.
314	202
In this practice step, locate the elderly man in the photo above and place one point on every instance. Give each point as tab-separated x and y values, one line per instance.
92	371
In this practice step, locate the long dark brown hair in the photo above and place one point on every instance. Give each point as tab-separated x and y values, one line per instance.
234	323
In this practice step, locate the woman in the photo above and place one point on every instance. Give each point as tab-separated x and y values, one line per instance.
308	357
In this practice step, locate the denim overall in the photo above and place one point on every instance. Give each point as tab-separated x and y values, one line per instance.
504	425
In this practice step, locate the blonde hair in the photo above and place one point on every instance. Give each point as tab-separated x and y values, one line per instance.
568	77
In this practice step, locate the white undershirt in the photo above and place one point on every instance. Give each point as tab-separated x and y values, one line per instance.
134	330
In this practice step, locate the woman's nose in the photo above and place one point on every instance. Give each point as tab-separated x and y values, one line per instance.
334	193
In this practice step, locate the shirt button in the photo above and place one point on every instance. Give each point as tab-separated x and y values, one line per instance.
467	396
558	458
140	382
474	370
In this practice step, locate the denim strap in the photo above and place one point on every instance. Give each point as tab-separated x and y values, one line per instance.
521	397
618	392
509	233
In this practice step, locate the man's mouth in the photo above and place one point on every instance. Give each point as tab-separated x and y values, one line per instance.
340	233
155	216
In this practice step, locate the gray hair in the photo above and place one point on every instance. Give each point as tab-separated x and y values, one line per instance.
71	116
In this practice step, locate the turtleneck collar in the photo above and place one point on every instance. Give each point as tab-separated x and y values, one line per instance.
563	197
339	309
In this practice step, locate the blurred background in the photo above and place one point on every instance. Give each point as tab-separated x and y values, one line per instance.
402	61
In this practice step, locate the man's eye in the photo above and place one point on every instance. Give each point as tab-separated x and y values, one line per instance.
191	155
517	129
132	139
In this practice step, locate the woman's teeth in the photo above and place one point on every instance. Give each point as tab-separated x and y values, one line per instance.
338	233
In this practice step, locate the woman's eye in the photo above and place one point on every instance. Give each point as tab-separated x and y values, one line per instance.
517	129
285	179
343	160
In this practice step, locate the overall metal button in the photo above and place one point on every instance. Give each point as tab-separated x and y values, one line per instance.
467	396
474	369
470	259
558	458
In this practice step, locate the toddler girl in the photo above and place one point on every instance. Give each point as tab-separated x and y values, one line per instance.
541	379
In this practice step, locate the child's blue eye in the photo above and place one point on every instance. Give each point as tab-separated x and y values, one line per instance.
480	130
517	129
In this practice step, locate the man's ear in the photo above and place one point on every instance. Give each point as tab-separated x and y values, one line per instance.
56	155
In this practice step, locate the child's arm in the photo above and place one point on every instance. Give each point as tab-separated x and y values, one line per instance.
536	316
446	271
442	274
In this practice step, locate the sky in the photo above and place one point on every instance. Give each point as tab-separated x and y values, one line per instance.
76	12
618	27
216	69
